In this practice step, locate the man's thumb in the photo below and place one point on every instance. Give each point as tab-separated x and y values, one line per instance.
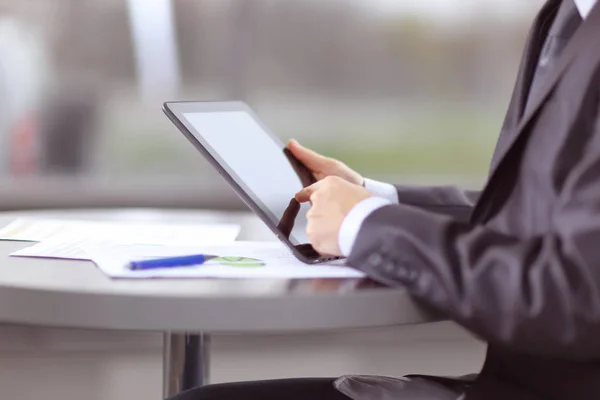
312	160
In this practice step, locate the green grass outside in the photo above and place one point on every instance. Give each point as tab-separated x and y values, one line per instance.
452	143
442	145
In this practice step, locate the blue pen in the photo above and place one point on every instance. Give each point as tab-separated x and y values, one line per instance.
169	262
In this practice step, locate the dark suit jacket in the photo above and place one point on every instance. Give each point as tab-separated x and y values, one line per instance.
519	263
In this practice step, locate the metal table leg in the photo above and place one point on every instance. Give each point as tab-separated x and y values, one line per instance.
185	362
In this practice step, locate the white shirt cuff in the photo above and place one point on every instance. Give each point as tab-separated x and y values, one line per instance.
382	189
354	220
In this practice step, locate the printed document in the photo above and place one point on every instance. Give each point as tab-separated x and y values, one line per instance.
247	260
66	239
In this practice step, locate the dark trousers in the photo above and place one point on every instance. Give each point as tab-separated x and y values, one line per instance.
288	389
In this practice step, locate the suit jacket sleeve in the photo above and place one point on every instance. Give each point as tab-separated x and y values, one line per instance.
447	200
539	296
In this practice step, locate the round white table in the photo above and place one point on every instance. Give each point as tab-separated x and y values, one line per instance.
75	294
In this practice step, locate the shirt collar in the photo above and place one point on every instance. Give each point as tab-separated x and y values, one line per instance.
585	7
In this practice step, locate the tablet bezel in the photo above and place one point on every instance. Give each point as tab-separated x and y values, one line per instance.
175	111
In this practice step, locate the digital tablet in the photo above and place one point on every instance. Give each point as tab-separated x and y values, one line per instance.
254	162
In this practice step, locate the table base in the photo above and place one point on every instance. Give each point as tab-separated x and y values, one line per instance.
185	362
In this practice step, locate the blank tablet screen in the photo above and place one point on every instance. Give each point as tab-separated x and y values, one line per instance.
257	163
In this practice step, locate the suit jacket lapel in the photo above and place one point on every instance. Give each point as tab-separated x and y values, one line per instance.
572	49
533	49
575	46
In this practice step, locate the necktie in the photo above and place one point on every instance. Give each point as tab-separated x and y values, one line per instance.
567	20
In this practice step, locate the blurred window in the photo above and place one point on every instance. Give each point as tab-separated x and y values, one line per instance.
402	90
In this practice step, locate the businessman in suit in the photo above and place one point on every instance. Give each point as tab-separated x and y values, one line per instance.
517	264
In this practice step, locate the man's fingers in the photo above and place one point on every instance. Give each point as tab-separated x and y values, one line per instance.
312	160
303	196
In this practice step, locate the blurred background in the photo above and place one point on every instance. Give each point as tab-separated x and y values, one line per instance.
401	90
407	91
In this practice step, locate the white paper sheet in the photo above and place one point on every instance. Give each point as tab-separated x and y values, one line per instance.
267	260
66	239
37	230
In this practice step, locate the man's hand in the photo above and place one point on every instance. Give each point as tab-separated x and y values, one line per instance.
322	166
332	199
